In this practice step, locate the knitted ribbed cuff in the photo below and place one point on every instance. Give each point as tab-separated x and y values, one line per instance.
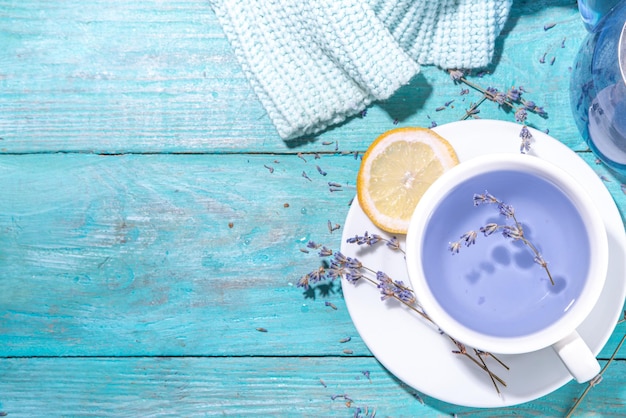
313	64
446	33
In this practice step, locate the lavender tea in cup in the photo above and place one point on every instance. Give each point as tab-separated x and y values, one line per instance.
508	254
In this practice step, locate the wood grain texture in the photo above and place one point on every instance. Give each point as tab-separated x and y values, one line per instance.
271	386
140	250
152	221
134	76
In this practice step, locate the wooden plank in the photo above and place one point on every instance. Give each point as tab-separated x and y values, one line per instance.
270	386
135	76
172	254
135	255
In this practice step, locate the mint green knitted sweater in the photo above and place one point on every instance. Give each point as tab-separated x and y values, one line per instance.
314	63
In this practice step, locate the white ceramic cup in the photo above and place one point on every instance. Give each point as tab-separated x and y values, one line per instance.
492	295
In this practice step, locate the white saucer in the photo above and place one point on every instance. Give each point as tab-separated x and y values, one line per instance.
422	358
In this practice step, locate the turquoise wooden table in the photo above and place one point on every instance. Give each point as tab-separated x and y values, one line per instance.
152	222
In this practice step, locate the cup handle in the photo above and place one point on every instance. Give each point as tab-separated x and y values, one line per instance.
577	357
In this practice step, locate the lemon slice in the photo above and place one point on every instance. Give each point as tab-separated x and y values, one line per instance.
396	170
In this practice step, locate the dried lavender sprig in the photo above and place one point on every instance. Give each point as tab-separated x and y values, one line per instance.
373	239
353	271
509	99
514	232
512	96
482	361
312	277
397	290
489	93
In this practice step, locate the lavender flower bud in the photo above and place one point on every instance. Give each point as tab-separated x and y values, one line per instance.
491	90
513	94
353	276
393	243
325	251
385	285
479	199
512	232
406	296
317	275
454	247
340	258
506	210
382	277
373	239
525	133
490	198
336	270
469	238
526	140
489	229
303	282
353	263
456	75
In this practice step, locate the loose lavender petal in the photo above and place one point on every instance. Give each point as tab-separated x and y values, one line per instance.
325	252
521	115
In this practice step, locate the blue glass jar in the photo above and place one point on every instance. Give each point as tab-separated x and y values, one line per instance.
598	86
593	11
